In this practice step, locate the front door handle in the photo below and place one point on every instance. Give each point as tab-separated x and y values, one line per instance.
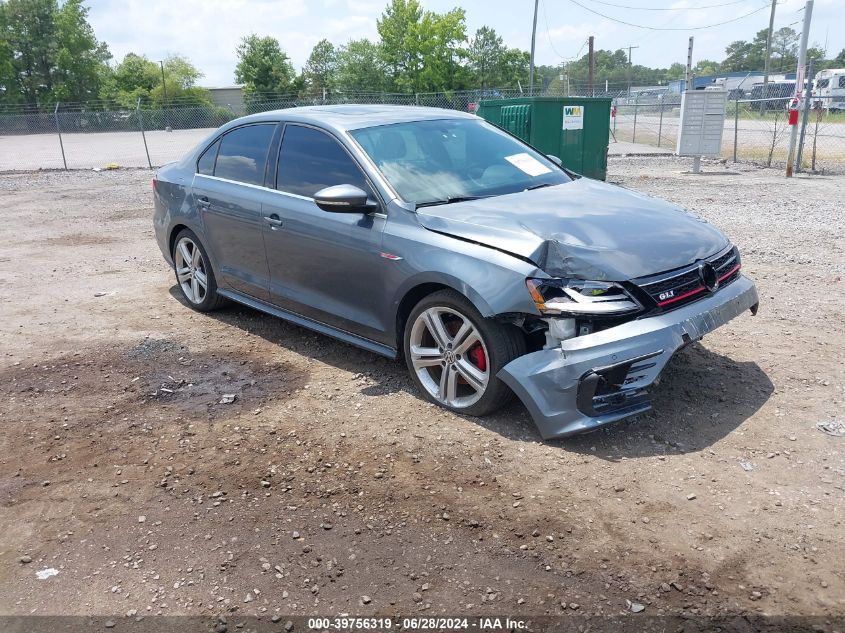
273	220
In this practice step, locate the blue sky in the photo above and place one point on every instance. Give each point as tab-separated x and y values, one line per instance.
208	31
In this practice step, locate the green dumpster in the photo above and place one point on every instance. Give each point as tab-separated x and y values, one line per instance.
575	129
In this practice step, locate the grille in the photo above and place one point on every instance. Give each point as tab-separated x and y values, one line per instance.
678	288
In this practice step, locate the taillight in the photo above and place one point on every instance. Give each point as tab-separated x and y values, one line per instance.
155	185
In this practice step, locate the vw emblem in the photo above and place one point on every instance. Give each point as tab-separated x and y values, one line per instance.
708	276
450	356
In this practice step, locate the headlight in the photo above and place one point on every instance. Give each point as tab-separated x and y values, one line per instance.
577	297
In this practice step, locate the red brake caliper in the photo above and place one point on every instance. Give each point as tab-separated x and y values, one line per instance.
478	357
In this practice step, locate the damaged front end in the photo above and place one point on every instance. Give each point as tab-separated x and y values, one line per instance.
607	343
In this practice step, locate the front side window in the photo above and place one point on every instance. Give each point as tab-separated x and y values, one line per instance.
842	81
310	160
243	154
435	162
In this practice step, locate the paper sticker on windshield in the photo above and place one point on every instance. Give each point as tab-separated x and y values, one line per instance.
528	164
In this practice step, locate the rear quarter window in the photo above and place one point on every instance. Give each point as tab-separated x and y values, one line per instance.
205	165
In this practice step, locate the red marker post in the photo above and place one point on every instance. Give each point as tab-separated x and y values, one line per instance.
793	111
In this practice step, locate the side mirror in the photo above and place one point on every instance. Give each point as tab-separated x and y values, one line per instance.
343	199
557	161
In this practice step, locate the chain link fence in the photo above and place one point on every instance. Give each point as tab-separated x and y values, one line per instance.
82	136
756	130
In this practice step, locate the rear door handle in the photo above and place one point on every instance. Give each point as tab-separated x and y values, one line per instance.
203	202
273	220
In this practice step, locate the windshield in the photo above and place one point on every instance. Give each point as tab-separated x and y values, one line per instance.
437	162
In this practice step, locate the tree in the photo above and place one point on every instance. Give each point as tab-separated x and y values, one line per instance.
320	69
676	71
80	60
422	50
360	66
138	77
263	67
737	56
48	53
9	87
513	68
705	67
440	38
399	48
839	60
784	49
484	57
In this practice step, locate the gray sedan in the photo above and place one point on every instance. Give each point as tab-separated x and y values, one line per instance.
435	237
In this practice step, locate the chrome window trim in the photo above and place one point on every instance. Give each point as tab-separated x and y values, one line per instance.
219	139
376	214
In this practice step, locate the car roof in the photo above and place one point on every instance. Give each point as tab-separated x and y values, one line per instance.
355	116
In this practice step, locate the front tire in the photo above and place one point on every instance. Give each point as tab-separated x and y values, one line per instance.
194	274
453	354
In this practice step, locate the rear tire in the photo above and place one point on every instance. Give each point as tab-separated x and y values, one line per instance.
453	354
194	274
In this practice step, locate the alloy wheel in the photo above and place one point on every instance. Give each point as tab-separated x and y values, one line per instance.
191	270
449	357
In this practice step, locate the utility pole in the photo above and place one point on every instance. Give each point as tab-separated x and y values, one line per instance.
164	90
630	68
799	82
592	64
689	85
805	114
768	53
533	41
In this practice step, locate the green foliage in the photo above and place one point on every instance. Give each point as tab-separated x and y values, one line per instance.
263	67
49	53
706	67
422	50
138	77
484	56
360	66
80	60
612	67
513	68
319	73
742	55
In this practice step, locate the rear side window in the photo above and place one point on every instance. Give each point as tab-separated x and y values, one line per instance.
310	160
243	154
842	81
205	165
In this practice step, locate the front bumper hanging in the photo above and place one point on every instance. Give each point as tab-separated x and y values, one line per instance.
593	380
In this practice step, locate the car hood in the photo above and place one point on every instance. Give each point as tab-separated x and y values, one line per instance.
583	229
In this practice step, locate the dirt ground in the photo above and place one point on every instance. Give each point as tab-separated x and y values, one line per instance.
329	486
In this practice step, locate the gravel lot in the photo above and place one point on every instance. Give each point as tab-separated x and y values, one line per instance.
329	486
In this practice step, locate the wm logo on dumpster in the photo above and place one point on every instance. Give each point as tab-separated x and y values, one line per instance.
572	111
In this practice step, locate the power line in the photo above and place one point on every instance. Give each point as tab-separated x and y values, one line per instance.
549	37
625	6
656	28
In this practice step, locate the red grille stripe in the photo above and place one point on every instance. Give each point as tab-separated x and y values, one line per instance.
683	296
730	272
